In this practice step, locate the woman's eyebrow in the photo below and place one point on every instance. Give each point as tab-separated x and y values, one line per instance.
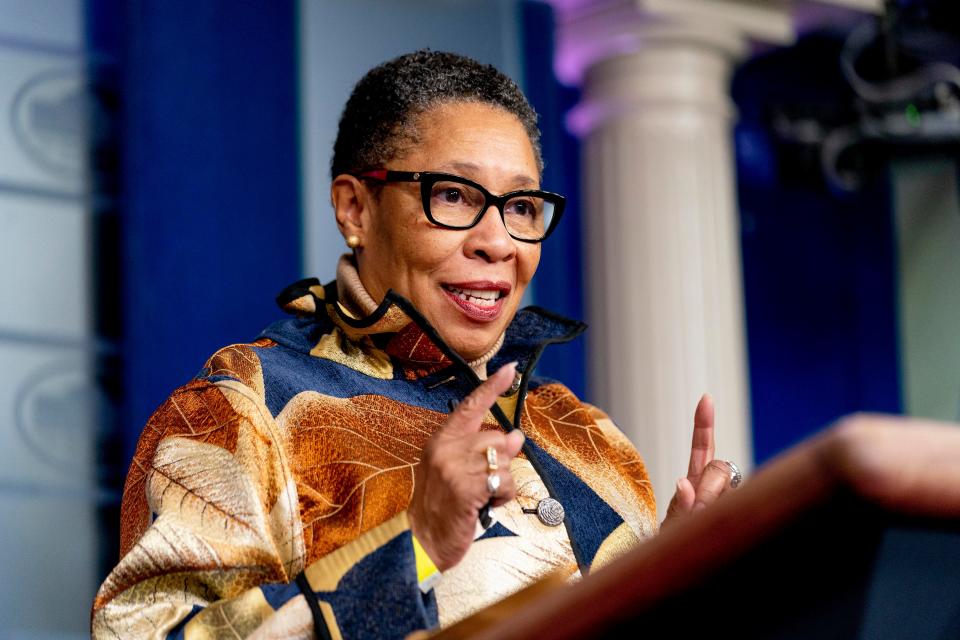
468	168
519	180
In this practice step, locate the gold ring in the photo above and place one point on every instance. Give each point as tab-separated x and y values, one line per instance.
492	459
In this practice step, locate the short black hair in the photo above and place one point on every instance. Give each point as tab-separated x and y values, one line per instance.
378	120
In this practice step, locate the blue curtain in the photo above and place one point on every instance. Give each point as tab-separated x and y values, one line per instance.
819	265
208	181
558	285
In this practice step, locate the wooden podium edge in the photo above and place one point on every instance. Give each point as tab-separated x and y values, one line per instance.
905	466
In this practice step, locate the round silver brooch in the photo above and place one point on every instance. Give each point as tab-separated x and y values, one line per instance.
550	512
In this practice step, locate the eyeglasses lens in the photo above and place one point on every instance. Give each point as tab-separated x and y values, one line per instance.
455	204
526	217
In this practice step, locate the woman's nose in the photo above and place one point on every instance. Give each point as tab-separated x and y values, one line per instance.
489	239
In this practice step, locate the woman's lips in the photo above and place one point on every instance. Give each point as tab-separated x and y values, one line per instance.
481	301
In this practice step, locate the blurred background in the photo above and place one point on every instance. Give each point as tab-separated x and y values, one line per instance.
764	204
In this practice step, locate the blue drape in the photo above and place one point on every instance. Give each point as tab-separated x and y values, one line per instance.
559	282
208	180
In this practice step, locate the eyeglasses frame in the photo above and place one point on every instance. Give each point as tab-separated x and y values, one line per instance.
428	178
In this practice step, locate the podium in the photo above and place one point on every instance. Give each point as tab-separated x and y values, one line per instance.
853	534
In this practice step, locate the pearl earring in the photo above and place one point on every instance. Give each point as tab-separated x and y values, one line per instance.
353	241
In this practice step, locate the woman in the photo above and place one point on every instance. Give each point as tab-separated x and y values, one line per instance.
355	472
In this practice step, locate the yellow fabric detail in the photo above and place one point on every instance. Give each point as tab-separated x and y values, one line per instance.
343	309
360	356
325	573
621	540
317	290
509	405
303	304
240	616
427	572
391	322
330	620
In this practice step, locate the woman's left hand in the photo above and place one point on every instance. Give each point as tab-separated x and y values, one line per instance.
707	479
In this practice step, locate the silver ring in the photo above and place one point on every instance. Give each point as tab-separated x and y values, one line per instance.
493	483
735	476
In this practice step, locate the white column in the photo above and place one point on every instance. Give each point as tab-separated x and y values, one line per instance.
665	299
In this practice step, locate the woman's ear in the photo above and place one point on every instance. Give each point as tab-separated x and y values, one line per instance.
351	204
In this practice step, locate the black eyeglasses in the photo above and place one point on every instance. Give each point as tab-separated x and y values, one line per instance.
454	202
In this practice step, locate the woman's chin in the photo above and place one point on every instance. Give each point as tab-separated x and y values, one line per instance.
471	349
471	344
469	337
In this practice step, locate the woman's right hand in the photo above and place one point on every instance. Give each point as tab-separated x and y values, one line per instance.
450	485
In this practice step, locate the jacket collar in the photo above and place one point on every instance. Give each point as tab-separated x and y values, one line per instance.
398	328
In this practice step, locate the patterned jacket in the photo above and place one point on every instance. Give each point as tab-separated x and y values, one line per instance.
267	496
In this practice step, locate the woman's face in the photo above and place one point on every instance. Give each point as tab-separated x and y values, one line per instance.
468	283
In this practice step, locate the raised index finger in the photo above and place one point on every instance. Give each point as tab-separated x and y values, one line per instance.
468	415
702	448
